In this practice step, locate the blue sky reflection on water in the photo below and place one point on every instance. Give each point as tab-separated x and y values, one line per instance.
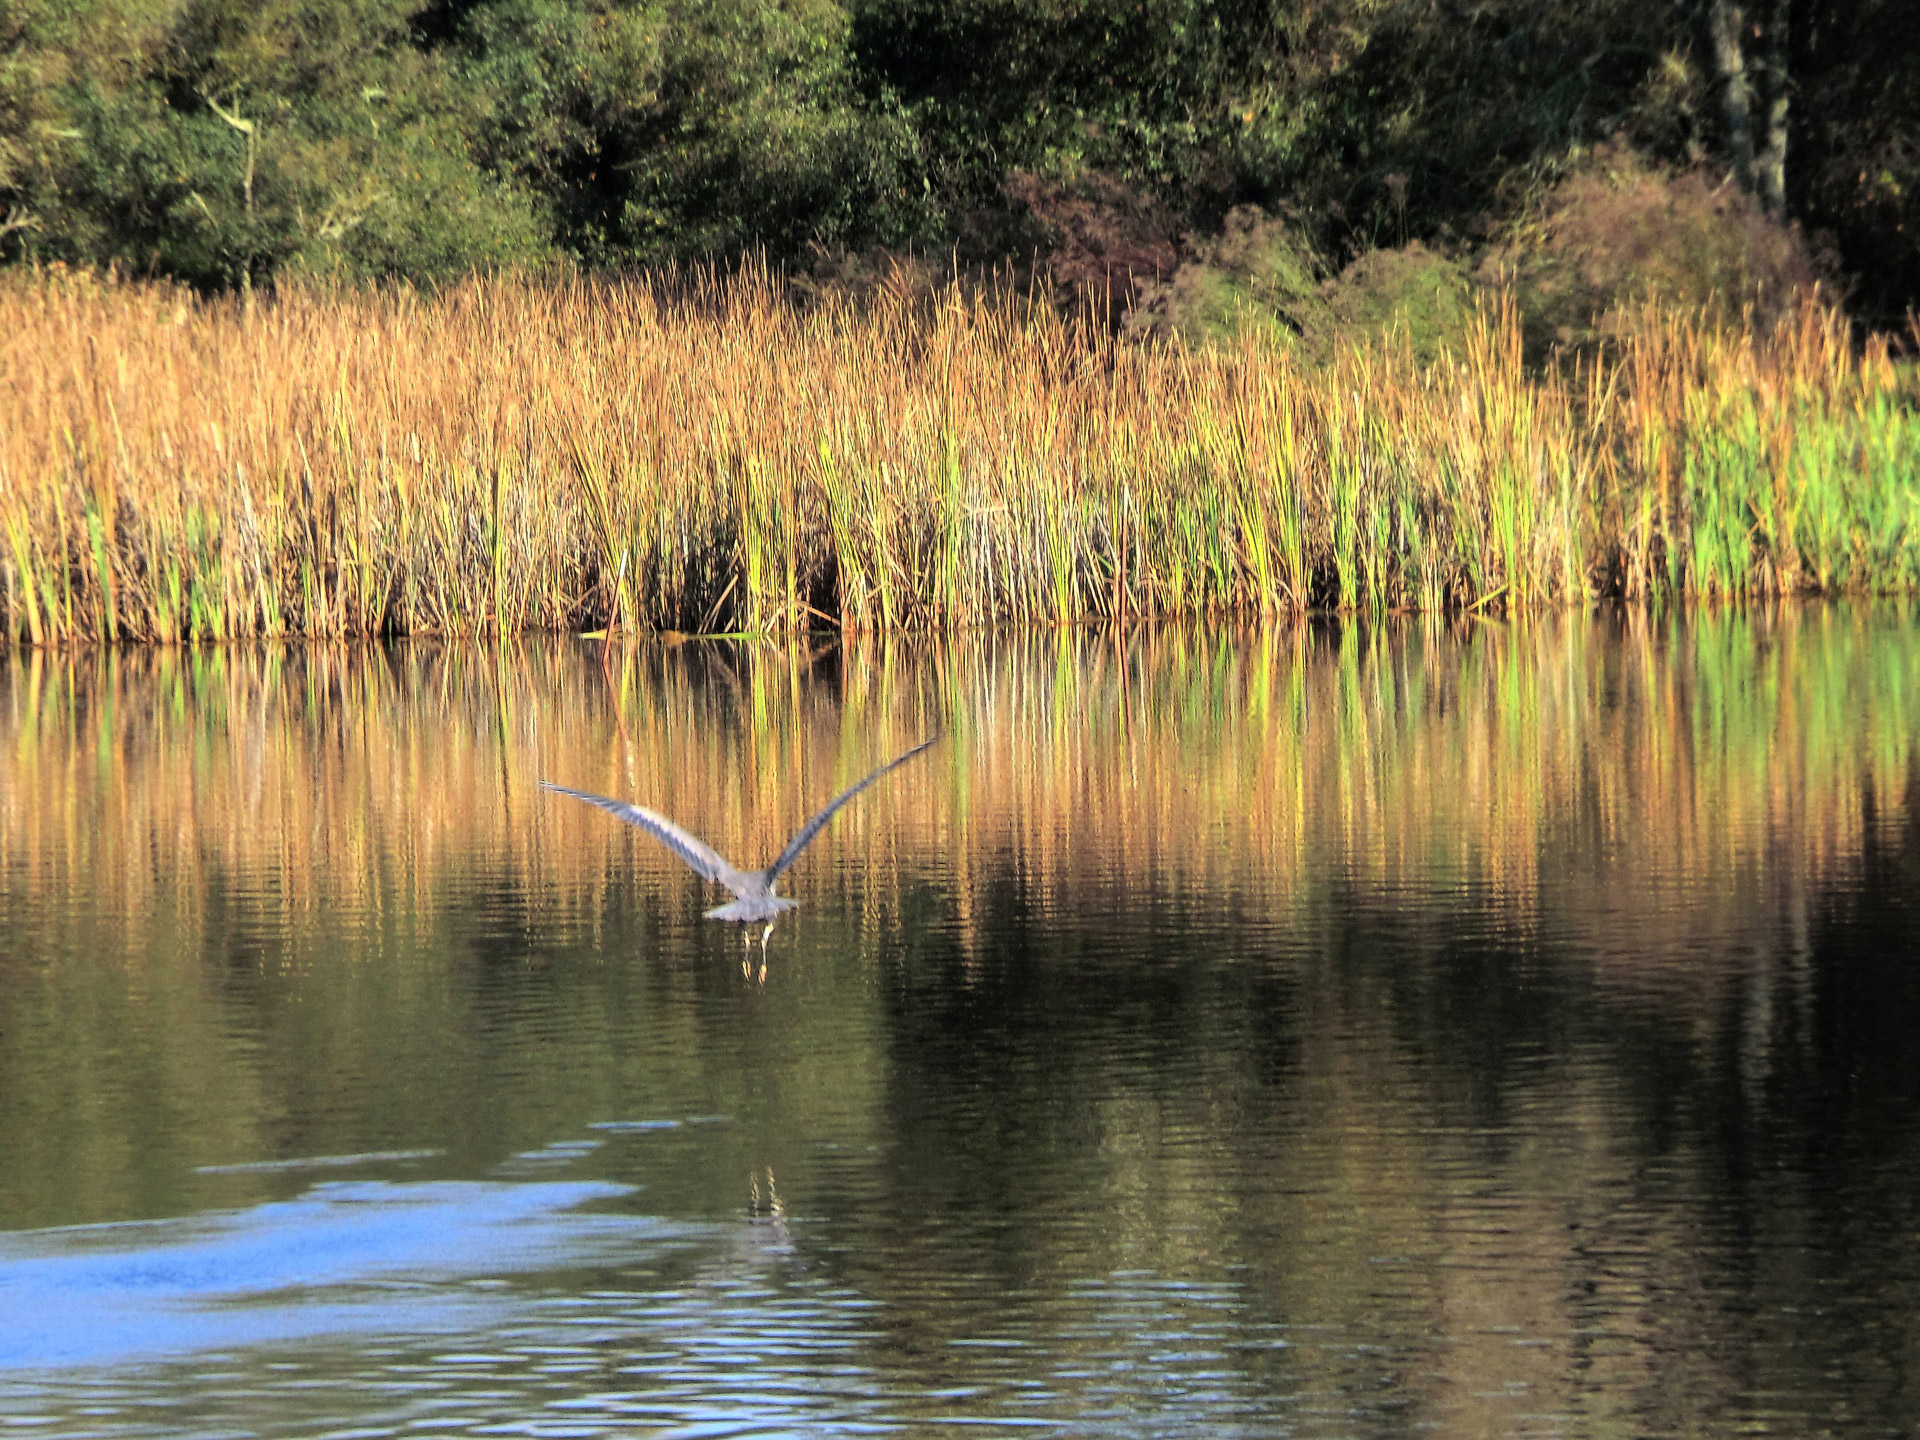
362	1257
492	1307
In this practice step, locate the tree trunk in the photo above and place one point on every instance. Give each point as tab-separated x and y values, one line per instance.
1770	176
1757	97
1724	25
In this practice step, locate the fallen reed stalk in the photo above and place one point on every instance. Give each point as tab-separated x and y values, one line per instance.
512	455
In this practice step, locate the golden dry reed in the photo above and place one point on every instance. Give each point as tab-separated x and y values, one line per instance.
703	454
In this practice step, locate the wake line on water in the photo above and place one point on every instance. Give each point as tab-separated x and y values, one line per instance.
316	1162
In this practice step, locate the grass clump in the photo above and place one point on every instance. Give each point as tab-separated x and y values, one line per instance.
702	454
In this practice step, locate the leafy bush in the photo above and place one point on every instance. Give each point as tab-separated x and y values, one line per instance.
690	129
221	140
1262	272
1259	271
1619	232
1425	297
1107	241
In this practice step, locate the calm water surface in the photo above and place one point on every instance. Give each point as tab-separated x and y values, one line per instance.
1464	1029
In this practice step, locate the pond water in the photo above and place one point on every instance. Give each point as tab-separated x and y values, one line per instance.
1466	1028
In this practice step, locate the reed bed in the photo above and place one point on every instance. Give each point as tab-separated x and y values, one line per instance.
701	454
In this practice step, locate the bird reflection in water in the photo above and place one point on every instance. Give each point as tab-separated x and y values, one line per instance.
755	902
765	1206
766	1237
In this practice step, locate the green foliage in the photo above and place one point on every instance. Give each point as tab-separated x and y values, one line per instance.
1372	121
1425	117
682	130
760	138
1151	91
1260	272
1423	297
1263	273
224	140
1854	169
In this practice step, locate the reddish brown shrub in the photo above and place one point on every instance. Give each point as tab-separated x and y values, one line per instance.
1621	231
1108	238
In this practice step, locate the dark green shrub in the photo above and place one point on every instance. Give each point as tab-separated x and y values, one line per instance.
1259	270
1425	296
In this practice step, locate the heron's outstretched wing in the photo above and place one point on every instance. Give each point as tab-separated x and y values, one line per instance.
814	826
700	856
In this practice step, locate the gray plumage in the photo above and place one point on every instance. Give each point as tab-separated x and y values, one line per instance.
753	888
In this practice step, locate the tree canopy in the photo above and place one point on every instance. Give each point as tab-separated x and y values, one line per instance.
222	141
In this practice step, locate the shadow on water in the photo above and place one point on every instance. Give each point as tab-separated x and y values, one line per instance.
1330	1029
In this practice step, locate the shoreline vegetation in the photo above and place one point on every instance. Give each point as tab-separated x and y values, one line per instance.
709	454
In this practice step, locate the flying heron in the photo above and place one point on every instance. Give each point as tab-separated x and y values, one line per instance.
755	901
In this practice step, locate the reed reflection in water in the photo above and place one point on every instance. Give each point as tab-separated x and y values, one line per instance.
1312	1030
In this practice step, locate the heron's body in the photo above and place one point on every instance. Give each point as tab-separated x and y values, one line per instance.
754	902
757	901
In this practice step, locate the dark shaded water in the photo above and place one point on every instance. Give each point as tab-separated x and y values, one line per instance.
1466	1030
